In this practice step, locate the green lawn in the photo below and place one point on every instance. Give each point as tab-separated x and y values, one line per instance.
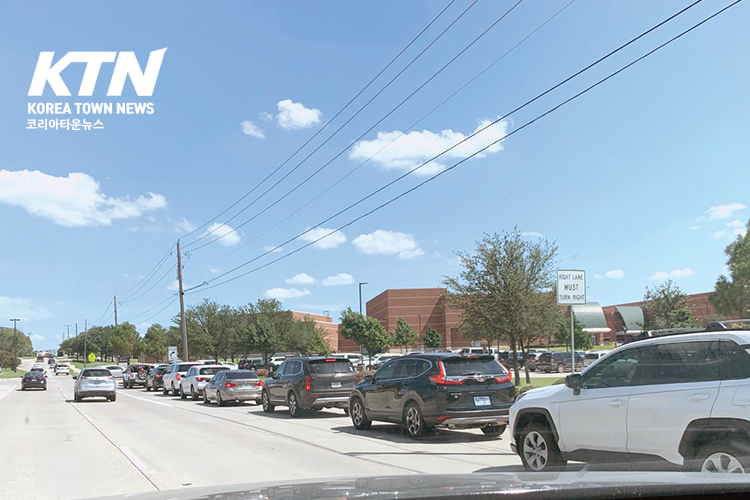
79	364
8	373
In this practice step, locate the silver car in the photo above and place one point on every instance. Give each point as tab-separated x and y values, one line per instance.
61	370
196	378
116	370
233	385
92	382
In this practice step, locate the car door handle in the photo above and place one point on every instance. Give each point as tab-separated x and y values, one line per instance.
698	397
615	403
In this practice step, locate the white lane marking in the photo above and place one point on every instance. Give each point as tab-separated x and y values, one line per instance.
87	418
11	389
144	399
131	456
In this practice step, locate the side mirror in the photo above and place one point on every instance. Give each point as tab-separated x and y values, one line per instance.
75	377
574	382
369	378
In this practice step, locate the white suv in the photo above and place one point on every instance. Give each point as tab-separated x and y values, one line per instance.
682	400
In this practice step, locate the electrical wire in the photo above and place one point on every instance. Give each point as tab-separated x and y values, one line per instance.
150	273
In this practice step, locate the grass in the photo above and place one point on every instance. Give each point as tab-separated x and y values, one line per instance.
8	373
79	364
537	382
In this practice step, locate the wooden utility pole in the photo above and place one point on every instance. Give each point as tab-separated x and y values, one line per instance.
183	325
115	302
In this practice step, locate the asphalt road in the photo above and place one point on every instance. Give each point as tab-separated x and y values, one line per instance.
55	448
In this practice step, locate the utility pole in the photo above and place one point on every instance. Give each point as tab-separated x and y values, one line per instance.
14	320
183	324
68	327
85	328
115	303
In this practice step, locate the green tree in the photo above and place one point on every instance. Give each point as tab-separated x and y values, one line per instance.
583	340
498	289
667	307
731	294
404	335
365	331
307	338
432	339
213	329
265	326
155	342
126	341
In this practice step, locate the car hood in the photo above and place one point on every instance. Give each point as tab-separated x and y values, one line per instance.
543	392
557	486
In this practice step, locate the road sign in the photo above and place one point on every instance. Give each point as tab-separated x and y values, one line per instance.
92	357
172	353
571	287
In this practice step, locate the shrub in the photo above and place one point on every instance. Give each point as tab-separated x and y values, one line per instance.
261	372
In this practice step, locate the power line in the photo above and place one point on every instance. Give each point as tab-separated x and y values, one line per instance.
555	108
152	286
150	273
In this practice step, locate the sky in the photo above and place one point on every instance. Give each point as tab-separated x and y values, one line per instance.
291	148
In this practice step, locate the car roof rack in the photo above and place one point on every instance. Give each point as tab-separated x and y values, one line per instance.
729	324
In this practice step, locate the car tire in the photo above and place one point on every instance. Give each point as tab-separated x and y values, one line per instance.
346	410
193	394
175	392
112	398
182	393
219	400
148	388
164	391
205	397
722	457
359	417
560	367
294	408
493	430
538	449
265	401
44	388
414	421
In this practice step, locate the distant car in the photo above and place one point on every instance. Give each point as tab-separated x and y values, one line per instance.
251	364
62	370
592	356
355	357
196	378
117	370
155	379
34	379
135	375
37	366
171	378
558	361
233	385
93	382
229	364
381	361
309	382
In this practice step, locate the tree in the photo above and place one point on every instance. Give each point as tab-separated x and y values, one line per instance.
499	288
213	328
366	331
155	342
583	340
731	296
307	338
432	339
265	326
404	334
126	341
667	307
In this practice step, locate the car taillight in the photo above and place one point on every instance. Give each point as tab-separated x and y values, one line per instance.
307	383
177	377
201	379
83	378
442	379
229	384
111	377
259	383
507	378
158	375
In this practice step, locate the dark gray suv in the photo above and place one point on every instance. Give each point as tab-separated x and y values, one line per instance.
309	382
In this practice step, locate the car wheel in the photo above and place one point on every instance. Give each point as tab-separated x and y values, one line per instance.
148	388
23	388
219	400
175	392
357	412
182	393
193	394
560	368
538	449
265	401
493	430
112	398
44	388
721	457
414	421
294	408
205	397
164	390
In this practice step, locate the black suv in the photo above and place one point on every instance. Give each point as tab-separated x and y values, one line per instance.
155	379
135	375
251	364
428	390
309	382
557	361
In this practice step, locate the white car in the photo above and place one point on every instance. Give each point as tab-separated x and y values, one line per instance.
92	382
232	366
62	369
172	376
196	378
679	400
354	357
116	370
592	356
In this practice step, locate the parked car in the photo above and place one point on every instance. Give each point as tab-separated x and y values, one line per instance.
506	358
376	364
117	370
529	361
592	356
680	401
61	369
309	382
196	378
34	378
171	378
233	385
135	375
154	381
93	382
229	364
355	357
449	390
558	361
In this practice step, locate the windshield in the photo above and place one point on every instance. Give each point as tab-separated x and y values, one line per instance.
235	375
269	183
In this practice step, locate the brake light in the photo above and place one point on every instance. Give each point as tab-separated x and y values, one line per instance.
307	382
201	379
229	384
177	377
507	378
83	378
158	375
259	383
111	377
329	360
442	379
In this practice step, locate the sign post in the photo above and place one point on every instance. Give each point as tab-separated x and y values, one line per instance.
571	290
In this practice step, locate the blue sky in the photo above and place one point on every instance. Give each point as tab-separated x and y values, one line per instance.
640	180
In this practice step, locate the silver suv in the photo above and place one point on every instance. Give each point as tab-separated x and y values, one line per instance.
682	401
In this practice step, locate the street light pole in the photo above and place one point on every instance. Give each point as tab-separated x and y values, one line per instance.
360	296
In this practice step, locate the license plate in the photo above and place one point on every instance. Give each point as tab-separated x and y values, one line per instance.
335	385
482	401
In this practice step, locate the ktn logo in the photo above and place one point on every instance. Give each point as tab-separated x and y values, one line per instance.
127	65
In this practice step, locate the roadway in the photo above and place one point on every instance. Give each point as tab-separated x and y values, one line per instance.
54	448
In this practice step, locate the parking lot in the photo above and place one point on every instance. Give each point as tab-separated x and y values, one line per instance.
146	441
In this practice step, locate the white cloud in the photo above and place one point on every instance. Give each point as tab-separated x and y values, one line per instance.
615	275
185	226
660	276
75	200
724	211
414	148
720	234
533	234
682	273
214	270
125	275
226	235
301	279
388	243
38	338
294	115
272	249
175	285
332	241
735	223
339	279
599	276
265	116
285	293
740	231
21	308
250	128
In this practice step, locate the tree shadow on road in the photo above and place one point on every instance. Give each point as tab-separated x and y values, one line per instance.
397	434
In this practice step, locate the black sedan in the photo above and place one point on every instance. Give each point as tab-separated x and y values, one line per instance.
34	379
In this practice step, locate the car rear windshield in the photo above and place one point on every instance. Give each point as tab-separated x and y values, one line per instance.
213	370
592	356
162	370
466	366
241	374
184	368
62	366
323	367
97	373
